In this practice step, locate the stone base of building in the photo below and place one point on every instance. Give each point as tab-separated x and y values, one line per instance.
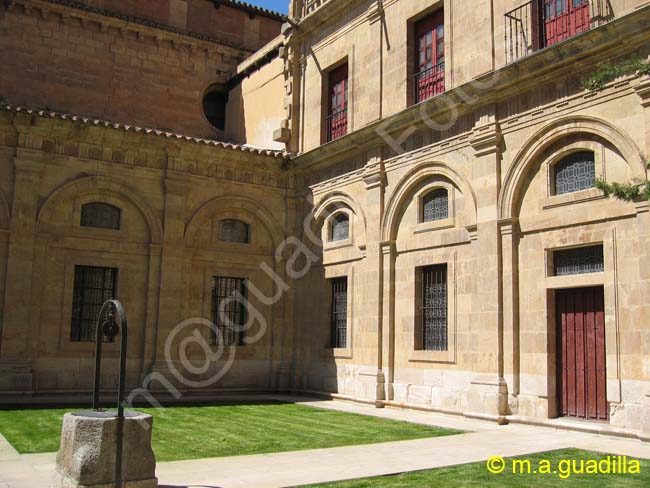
16	377
87	455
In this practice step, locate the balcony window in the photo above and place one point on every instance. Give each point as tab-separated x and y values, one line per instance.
336	122
429	77
542	23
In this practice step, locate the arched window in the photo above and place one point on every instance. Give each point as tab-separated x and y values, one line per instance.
575	172
231	230
435	205
100	215
340	227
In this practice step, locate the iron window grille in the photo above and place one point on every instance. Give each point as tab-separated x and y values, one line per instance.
435	205
575	172
339	313
434	308
231	230
101	216
229	300
340	227
581	260
92	287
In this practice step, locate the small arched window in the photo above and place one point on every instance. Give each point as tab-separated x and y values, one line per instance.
340	227
232	230
575	172
214	106
435	205
101	216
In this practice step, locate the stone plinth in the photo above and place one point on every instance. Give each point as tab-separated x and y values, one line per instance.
645	429
86	458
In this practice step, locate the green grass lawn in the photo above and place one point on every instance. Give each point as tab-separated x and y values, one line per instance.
227	430
476	475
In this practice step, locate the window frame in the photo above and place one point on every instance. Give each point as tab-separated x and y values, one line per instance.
423	203
239	337
334	341
433	20
103	204
336	75
223	221
563	160
79	337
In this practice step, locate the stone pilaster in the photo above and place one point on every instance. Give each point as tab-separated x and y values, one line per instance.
487	394
643	91
371	379
14	357
373	65
170	303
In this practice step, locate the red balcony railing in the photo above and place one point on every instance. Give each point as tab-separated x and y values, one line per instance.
336	125
429	83
542	23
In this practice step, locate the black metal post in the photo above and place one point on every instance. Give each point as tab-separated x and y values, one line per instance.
114	324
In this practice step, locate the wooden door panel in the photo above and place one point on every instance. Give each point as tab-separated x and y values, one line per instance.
582	372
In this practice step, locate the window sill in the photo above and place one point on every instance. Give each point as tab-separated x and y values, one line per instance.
447	223
340	353
571	198
332	245
432	357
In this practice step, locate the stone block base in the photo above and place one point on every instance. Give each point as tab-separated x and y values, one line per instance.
87	455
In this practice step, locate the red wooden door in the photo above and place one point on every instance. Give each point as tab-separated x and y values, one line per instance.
430	56
582	373
337	120
565	18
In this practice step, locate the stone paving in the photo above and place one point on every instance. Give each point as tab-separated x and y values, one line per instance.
482	440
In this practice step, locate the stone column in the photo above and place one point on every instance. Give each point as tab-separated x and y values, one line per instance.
370	384
15	354
487	395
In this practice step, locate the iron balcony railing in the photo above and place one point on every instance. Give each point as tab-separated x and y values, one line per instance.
541	23
310	6
428	83
336	125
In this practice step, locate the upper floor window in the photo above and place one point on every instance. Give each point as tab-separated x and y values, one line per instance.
336	122
100	215
575	172
232	230
564	18
214	106
339	313
429	76
92	287
339	227
228	310
435	205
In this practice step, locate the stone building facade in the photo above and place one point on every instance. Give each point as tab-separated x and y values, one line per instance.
416	181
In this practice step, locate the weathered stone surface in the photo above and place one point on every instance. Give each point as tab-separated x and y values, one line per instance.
86	458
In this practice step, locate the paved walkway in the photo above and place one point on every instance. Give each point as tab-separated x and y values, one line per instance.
483	440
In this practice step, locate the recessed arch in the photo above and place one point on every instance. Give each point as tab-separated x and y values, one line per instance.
104	184
333	201
407	186
533	150
223	206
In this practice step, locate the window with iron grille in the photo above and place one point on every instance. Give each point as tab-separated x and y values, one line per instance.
339	313
575	172
581	260
434	308
231	230
92	287
435	205
340	227
100	215
228	310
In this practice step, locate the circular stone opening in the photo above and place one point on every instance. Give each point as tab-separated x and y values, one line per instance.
214	106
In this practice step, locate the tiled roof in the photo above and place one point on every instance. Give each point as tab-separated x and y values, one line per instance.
5	106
